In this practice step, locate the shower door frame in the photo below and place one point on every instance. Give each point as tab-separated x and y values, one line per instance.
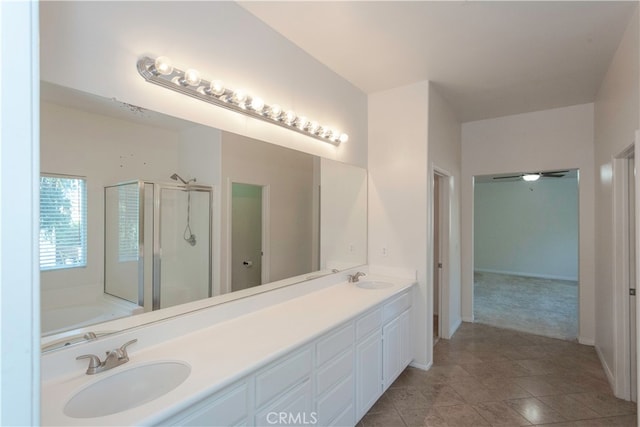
157	237
141	201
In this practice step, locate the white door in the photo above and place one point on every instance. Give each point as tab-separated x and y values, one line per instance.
246	236
632	277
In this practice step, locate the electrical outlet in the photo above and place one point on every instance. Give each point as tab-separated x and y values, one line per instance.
384	251
352	248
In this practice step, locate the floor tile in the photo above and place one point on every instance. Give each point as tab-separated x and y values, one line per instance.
569	408
500	414
382	419
604	404
461	416
535	411
490	376
423	418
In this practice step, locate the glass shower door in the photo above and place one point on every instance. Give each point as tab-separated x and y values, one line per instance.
183	246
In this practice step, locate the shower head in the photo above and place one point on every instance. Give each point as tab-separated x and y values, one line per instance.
177	177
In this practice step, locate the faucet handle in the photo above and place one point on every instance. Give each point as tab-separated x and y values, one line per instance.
93	363
123	348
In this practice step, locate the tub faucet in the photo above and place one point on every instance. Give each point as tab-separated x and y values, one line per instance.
354	278
115	357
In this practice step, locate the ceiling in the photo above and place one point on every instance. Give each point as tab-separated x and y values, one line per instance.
90	103
488	59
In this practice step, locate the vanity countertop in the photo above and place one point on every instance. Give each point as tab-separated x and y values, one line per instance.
225	352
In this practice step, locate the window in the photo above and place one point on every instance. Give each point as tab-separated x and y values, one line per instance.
63	222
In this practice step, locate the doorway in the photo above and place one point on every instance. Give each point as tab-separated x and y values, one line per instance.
248	231
625	244
526	252
440	250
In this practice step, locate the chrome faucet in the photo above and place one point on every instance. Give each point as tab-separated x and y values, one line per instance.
114	358
354	278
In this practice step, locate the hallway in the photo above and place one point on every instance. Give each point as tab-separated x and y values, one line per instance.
485	376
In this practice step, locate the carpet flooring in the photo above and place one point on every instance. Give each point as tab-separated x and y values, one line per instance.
527	304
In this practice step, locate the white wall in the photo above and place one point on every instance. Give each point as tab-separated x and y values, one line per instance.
445	157
289	175
343	233
527	228
404	152
616	120
19	180
556	139
94	47
398	133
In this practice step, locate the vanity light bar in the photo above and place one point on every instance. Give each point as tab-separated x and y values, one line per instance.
161	71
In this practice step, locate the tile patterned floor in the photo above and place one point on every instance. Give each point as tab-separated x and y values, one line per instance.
485	376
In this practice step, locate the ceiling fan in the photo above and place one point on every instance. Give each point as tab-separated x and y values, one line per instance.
535	176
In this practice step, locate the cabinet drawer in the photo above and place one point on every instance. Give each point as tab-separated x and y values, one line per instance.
293	408
333	403
346	418
368	323
334	344
334	371
225	408
278	377
393	308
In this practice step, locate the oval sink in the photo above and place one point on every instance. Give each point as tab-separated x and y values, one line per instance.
374	285
127	389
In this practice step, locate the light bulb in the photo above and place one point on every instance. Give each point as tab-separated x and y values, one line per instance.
216	88
290	117
275	111
302	122
191	77
344	138
163	65
327	133
531	177
257	104
335	135
239	97
313	127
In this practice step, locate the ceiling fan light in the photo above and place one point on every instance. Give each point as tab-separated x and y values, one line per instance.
529	177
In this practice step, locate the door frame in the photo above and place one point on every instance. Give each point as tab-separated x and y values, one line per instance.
444	202
621	240
266	230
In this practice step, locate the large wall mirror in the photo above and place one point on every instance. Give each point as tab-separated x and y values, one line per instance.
144	213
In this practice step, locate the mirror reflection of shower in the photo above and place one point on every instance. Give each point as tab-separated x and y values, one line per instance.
187	235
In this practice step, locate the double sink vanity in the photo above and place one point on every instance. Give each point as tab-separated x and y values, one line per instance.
318	353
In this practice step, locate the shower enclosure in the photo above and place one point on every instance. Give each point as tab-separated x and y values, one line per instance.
158	242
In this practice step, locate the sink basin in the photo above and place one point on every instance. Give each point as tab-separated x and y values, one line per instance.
127	389
374	285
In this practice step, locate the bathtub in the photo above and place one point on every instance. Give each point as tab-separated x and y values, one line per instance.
101	310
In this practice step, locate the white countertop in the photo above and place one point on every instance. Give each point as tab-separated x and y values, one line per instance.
224	353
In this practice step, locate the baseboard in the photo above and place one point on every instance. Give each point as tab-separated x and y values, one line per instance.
587	341
468	319
606	369
520	273
421	366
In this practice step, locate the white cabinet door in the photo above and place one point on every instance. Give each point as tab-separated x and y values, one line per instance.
407	348
396	347
368	372
392	352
